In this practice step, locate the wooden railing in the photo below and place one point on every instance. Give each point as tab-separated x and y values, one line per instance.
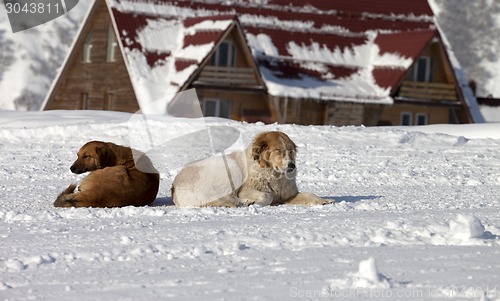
227	76
428	91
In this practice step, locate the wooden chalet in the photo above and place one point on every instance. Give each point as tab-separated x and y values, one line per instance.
344	62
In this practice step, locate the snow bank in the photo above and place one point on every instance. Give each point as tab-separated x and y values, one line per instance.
421	207
470	131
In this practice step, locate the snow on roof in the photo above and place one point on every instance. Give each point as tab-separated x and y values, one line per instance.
330	50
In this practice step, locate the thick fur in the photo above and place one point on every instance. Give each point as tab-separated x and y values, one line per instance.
264	174
114	180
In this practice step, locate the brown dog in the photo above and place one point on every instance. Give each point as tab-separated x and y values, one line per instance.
115	180
264	174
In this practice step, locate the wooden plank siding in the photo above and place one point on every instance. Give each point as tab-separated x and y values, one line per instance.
105	85
301	111
348	113
441	92
435	114
232	76
250	106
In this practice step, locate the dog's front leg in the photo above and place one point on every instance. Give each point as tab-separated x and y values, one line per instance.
227	201
254	197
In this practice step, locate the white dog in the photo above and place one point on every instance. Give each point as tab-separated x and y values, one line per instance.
264	174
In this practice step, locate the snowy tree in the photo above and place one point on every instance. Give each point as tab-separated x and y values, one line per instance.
474	33
6	53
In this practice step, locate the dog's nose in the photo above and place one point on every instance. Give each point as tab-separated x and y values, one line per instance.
72	168
291	167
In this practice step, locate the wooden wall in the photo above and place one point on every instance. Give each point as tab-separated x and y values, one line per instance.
347	113
435	114
245	105
97	80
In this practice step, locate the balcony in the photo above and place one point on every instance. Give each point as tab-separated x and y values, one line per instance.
428	92
227	76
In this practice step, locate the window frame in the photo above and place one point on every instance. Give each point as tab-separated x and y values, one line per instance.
410	118
428	65
424	115
230	60
84	101
217	109
87	48
111	45
108	102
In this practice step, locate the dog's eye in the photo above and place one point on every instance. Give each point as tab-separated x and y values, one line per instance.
86	156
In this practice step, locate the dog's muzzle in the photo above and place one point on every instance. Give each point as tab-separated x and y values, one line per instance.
74	169
290	167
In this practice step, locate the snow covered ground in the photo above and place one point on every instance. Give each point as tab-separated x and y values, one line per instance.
417	217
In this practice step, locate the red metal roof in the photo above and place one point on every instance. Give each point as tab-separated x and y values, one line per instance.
387	77
410	44
386	7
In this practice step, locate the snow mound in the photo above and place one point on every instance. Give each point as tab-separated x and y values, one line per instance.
465	227
367	277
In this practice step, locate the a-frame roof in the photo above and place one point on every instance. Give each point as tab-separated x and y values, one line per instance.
349	50
162	53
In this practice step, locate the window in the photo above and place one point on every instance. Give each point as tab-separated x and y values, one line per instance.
216	108
110	52
84	101
87	49
225	55
422	71
406	118
108	102
421	119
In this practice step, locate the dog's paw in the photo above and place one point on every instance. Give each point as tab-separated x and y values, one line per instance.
326	202
317	202
255	197
309	199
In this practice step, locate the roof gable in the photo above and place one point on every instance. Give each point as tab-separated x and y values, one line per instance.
407	44
163	52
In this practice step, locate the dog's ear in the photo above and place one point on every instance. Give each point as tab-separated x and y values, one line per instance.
288	141
106	156
257	149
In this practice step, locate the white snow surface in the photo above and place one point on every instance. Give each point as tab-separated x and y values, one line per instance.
417	216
